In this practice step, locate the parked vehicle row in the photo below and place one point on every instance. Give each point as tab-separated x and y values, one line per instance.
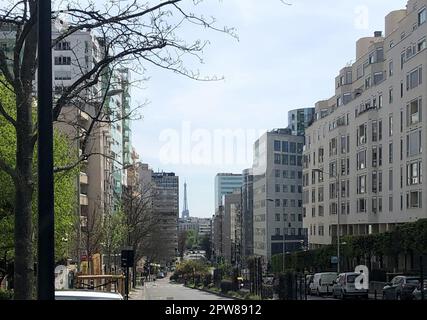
403	288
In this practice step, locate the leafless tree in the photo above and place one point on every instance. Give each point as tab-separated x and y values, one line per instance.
140	221
133	33
92	235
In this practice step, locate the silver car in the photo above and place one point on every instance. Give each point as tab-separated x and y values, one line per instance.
86	295
417	292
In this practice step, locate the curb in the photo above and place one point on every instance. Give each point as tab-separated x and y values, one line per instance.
215	293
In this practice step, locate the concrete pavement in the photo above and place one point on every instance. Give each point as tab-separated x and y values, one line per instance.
162	289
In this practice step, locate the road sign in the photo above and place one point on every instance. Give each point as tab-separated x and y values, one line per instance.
334	259
127	258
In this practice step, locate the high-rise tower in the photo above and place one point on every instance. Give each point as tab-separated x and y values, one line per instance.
185	212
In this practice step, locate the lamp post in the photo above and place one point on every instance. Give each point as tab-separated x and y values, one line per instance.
46	221
338	212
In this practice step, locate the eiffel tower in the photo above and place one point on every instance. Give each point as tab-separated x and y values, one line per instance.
185	212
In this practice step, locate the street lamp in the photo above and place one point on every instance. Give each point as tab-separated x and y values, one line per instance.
337	177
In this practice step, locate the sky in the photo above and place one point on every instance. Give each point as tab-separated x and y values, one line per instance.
287	57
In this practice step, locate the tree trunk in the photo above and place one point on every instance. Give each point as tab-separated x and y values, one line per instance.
23	229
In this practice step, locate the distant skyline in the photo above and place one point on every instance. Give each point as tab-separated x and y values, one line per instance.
286	58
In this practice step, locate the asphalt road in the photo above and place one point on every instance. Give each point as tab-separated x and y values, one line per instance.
161	289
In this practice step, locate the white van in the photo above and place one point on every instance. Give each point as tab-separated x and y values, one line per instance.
322	283
345	286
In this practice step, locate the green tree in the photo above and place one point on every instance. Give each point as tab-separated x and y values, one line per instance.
65	186
192	239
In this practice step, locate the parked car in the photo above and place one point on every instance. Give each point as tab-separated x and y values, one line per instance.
322	283
344	286
417	291
400	288
160	275
86	295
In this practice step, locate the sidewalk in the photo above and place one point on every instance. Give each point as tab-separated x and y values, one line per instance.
138	293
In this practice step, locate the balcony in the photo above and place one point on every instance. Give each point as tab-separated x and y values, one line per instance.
83	178
84	200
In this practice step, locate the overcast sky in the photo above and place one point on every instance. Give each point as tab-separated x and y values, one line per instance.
287	57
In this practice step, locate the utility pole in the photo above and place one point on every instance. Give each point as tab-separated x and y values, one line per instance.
46	240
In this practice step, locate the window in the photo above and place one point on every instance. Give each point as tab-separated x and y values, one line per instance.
293	147
390	203
380	101
390	68
390	125
390	95
380	181
343	144
277	158
414	78
374	186
390	152
320	194
414	112
374	157
413	199
62	61
285	146
374	205
413	143
368	82
361	134
277	217
378	77
277	145
277	202
374	131
293	160
422	44
422	16
277	231
414	173
361	184
390	179
361	205
333	147
277	173
277	188
361	160
62	45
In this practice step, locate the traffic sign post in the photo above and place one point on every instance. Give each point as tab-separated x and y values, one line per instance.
127	260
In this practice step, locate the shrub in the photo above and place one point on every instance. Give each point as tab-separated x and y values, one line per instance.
6	294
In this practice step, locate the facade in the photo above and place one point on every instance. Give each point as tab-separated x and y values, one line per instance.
369	139
247	214
166	206
231	227
226	183
217	235
202	226
186	224
299	120
277	189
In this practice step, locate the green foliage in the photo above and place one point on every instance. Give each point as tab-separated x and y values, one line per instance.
192	268
65	184
192	239
406	238
6	294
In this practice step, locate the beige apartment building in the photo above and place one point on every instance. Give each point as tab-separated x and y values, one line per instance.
365	152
